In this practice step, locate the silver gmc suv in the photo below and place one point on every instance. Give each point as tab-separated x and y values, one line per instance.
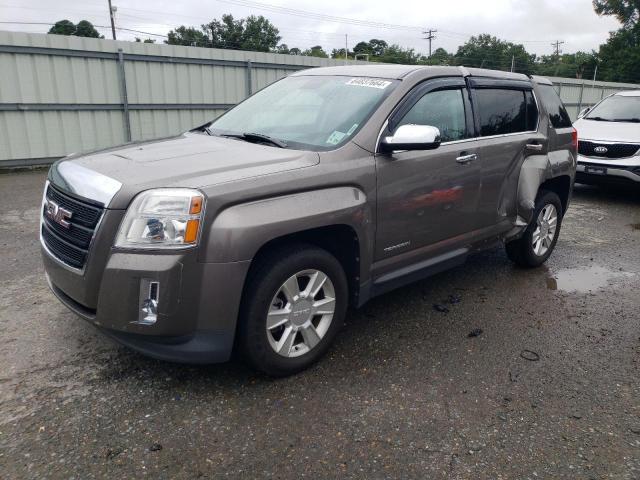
256	232
609	148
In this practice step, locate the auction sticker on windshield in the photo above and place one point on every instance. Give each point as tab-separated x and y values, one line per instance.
369	82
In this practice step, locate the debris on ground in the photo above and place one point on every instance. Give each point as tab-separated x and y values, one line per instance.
440	308
453	299
476	332
530	355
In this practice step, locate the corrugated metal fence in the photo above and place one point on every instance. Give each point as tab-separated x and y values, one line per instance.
66	94
578	94
63	94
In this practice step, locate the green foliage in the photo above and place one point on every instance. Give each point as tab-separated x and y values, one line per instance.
439	57
487	51
626	11
84	28
316	51
254	33
569	65
63	27
146	40
620	56
188	36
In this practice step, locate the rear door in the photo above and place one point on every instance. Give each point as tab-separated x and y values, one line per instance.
507	119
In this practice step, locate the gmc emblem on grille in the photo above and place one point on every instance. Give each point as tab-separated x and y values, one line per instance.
602	150
56	213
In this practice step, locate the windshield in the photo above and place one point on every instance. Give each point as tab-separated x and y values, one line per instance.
617	108
307	112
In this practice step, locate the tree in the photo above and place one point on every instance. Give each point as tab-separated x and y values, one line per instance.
259	34
373	48
396	54
146	40
295	51
626	11
339	53
188	36
620	56
63	27
251	33
316	51
84	28
439	57
490	52
570	65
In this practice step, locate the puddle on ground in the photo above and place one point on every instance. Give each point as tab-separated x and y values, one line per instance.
584	279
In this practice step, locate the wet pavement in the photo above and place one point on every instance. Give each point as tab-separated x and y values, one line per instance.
521	374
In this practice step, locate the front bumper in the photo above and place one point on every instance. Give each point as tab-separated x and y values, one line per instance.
197	308
595	170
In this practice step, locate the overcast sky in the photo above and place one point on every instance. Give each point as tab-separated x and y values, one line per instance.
535	23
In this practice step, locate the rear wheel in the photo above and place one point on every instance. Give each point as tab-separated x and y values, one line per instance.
539	239
293	305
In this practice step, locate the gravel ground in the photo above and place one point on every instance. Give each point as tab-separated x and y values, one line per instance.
546	386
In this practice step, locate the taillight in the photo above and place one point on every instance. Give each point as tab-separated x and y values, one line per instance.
574	139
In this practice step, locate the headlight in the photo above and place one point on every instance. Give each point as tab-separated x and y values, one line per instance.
162	218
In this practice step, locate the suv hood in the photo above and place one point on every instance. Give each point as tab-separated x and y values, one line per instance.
625	132
189	160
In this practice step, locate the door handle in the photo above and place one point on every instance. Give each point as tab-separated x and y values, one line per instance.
534	147
464	159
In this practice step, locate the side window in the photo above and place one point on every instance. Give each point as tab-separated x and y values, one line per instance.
501	111
557	113
443	109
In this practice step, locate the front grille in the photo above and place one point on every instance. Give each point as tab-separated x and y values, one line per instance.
70	244
614	150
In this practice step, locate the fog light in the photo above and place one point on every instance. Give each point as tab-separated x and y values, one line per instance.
149	295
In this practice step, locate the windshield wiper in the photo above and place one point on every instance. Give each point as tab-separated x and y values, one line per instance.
600	119
256	137
630	120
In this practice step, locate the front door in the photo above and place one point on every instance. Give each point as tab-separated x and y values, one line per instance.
427	196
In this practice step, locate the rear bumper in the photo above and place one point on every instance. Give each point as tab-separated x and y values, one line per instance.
197	309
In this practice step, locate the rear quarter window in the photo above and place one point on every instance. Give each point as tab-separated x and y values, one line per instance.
552	103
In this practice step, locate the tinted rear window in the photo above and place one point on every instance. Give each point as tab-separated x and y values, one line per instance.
501	111
557	113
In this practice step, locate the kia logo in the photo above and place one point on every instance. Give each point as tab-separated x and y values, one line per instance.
56	213
601	149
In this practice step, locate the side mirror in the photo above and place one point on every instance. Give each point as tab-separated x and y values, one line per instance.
583	112
412	137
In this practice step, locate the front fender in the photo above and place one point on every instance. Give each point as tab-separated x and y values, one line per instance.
239	231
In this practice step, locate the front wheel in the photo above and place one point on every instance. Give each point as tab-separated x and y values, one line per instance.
540	237
294	303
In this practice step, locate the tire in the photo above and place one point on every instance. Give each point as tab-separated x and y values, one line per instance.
265	297
522	251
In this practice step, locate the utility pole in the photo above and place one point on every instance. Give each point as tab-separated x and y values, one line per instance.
346	48
556	46
513	61
112	13
429	36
